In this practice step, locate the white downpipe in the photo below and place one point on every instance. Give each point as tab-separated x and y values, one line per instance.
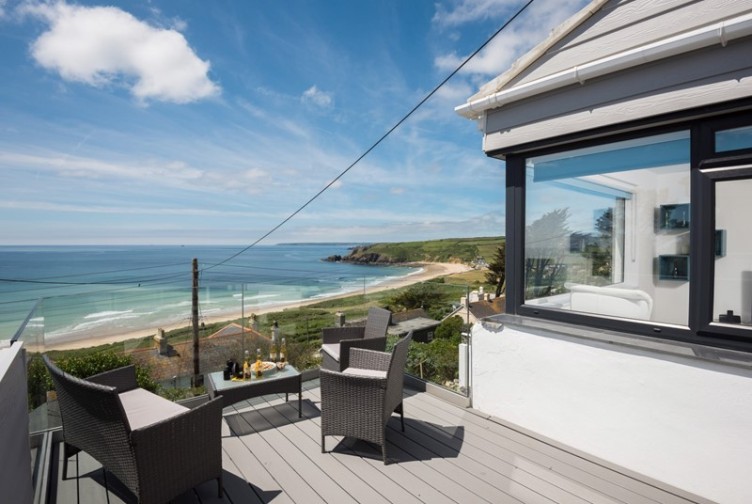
716	33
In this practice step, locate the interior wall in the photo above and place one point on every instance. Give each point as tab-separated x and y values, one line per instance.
681	421
733	272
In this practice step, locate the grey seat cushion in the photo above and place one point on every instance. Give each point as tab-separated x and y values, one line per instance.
370	373
144	408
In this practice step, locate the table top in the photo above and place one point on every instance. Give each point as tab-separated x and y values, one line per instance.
220	384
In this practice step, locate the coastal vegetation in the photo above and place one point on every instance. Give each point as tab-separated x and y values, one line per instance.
457	250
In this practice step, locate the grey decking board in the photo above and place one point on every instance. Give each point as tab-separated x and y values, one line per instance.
299	459
91	490
286	478
499	472
253	471
383	488
621	486
236	487
563	464
534	476
358	489
455	471
421	490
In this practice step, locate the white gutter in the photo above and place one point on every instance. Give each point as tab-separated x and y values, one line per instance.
716	33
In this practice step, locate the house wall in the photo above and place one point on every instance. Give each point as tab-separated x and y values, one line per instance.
702	77
680	420
15	461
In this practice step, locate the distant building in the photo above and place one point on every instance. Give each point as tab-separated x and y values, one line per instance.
417	321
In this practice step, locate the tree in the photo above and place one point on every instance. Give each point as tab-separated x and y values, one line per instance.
544	251
496	274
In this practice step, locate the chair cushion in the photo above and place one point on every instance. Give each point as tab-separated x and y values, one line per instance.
370	373
144	408
332	349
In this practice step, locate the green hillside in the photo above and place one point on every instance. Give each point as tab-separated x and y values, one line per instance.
461	250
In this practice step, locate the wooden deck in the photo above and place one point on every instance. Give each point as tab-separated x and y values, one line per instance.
446	454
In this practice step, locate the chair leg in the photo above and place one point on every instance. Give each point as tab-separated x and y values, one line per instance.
78	492
383	446
402	416
322	444
221	487
106	489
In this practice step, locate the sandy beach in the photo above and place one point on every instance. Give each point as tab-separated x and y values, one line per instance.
428	271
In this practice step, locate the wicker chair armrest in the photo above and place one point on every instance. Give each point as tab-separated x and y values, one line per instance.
180	451
362	358
337	334
123	378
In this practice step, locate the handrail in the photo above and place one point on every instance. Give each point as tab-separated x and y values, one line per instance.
23	325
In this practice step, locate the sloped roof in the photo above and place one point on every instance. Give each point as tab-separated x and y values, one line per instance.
533	75
483	309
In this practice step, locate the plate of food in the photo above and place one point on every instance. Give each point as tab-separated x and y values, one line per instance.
266	367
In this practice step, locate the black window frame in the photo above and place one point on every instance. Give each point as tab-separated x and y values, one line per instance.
706	168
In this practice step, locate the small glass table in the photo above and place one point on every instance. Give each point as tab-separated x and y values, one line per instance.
287	380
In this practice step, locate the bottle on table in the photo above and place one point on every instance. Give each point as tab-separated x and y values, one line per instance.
273	353
246	366
258	363
283	351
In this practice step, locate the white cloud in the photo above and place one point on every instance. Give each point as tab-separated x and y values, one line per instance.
517	38
315	96
470	10
104	45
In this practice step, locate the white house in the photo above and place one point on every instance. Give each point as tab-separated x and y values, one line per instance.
627	142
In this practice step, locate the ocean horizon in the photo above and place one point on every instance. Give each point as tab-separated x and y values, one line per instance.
98	291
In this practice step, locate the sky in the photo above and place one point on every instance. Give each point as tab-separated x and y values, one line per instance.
194	122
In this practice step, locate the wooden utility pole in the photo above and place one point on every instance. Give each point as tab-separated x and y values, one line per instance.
194	316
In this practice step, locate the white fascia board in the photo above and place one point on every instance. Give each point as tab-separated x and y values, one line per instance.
717	33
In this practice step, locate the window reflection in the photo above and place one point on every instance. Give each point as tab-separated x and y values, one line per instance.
595	239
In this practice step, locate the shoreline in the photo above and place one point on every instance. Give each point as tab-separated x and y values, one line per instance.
429	271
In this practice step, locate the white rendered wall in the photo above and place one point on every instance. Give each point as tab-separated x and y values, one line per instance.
15	453
682	421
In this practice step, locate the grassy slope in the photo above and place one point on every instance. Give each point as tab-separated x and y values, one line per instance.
463	250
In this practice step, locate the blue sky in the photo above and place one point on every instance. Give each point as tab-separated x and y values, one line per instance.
194	122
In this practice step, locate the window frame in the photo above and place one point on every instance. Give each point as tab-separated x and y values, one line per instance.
706	168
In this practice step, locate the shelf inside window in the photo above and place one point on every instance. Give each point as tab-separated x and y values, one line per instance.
673	267
674	216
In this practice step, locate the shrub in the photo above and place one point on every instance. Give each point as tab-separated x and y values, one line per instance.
81	366
450	329
436	361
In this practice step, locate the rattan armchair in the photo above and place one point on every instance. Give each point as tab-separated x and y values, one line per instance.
337	341
359	401
158	449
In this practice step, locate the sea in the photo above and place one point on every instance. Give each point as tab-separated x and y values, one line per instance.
79	292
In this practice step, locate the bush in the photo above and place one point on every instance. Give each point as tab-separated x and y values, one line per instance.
81	366
436	361
450	329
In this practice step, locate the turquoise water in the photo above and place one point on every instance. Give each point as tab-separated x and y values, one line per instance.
100	291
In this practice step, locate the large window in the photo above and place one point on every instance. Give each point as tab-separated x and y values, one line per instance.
606	229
